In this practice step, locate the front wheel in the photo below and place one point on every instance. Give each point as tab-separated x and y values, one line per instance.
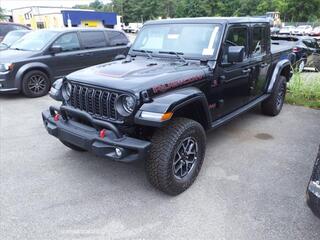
35	84
176	156
272	105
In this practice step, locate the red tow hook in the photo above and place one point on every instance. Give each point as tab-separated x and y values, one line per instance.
56	117
102	133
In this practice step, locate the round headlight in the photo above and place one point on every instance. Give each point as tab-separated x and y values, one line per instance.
128	103
66	91
125	105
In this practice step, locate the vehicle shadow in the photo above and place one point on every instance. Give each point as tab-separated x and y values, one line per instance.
132	176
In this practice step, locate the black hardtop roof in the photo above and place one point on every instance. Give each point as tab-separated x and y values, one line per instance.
221	20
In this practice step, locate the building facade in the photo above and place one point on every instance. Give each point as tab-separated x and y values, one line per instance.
38	17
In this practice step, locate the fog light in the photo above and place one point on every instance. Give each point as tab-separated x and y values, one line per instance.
118	152
56	117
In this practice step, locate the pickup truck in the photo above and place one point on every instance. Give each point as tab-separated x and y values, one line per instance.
181	78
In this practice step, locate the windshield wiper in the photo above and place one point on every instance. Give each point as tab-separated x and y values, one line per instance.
19	49
6	45
144	51
178	54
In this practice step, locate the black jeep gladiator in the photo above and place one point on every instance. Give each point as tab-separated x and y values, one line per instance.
181	78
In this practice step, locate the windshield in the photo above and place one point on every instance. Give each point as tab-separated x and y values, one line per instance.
191	40
12	37
34	41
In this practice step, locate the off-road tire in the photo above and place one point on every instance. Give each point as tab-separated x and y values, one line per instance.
28	84
312	200
273	104
73	147
164	146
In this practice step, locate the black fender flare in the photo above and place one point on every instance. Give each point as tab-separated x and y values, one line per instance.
280	66
28	67
172	102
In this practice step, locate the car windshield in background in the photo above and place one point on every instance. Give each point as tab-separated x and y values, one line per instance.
13	36
34	41
192	40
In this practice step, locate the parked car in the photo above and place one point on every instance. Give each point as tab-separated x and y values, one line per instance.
288	30
315	32
182	77
32	63
302	30
11	38
6	27
274	30
313	190
302	46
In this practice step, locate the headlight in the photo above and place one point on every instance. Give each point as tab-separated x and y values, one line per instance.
4	67
66	90
125	105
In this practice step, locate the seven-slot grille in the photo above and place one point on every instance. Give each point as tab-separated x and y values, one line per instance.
99	103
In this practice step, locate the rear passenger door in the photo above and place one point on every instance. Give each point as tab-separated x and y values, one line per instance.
93	44
261	59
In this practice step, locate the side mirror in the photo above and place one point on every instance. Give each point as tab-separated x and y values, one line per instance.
55	49
119	57
235	54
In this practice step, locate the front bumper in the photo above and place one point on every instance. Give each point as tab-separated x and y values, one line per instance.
87	137
6	83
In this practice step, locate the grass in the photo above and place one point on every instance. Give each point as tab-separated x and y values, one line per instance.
304	91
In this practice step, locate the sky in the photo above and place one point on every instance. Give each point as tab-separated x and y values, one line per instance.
10	4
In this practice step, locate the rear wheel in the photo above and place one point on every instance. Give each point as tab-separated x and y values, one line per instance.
73	147
35	84
176	156
272	106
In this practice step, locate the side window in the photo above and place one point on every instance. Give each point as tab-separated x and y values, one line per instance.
237	36
116	38
258	45
93	39
68	42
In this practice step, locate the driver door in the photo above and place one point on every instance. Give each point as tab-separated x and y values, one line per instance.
235	77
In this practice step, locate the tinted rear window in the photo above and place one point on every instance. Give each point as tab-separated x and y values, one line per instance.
117	38
93	39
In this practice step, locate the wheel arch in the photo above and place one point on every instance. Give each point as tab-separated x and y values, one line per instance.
283	68
188	102
31	67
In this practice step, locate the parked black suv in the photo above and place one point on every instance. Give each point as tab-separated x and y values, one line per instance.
32	63
6	27
303	47
182	77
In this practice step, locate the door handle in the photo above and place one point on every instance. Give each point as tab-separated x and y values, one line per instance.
80	55
263	65
246	70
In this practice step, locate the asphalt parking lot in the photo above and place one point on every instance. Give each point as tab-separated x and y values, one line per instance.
252	184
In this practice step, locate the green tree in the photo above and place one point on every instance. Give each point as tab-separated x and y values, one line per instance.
2	16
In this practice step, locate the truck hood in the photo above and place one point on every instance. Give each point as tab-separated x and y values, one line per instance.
12	56
140	74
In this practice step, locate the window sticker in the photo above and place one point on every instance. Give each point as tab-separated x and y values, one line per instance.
173	36
210	50
207	52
